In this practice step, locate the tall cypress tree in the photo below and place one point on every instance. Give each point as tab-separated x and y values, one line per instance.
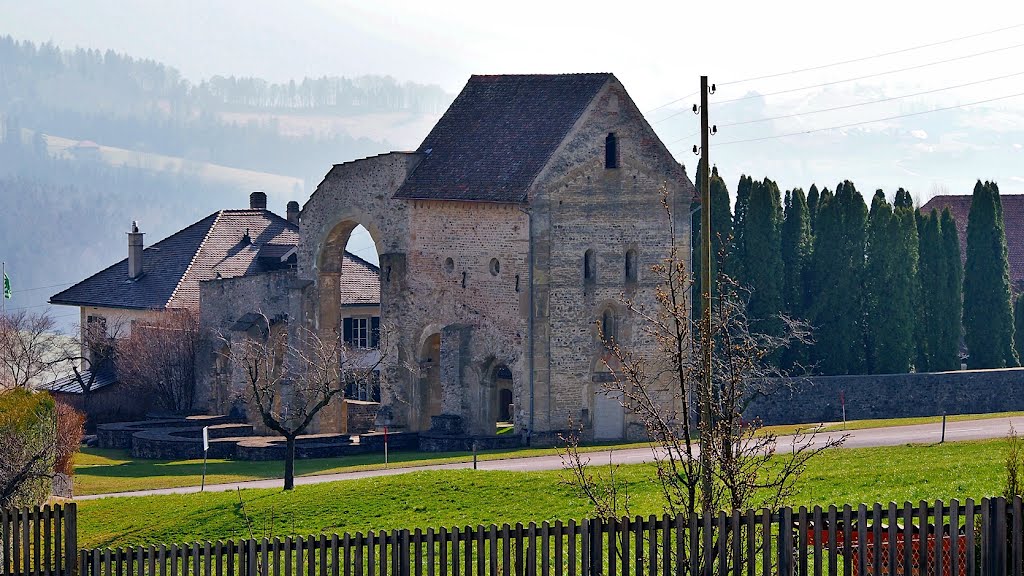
946	355
930	272
891	284
762	257
837	309
721	234
877	278
812	206
796	254
737	256
988	313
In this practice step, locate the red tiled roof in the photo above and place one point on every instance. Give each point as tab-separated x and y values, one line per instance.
225	244
360	281
1013	221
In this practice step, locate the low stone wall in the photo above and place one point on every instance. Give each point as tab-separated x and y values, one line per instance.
817	399
358	416
187	442
119	434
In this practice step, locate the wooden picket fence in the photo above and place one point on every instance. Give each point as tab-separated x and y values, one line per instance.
984	538
972	538
41	541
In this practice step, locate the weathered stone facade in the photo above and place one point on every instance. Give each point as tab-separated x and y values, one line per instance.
489	303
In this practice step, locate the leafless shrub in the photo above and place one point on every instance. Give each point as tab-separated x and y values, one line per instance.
159	358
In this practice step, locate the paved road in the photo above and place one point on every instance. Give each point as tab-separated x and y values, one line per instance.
893	436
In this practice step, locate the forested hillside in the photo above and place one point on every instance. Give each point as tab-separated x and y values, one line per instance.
135	140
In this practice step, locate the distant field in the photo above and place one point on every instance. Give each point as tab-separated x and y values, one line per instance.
277	186
403	130
464	497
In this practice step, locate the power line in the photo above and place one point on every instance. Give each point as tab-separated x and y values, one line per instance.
870	102
918	66
42	287
833	64
870	121
865	58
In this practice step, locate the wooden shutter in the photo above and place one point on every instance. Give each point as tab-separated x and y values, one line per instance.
347	330
374	331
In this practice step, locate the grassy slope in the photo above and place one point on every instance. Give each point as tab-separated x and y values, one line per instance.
462	497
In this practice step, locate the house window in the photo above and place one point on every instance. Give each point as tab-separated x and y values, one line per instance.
631	265
361	331
589	266
611	151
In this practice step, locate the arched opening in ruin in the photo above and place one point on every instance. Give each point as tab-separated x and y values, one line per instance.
350	308
430	381
504	410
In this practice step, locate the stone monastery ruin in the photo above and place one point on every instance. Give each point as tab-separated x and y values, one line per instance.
505	240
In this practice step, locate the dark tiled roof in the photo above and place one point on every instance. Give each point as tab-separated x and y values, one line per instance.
70	385
216	246
1013	220
497	136
360	281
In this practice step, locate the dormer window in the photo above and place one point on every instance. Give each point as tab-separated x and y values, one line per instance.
611	151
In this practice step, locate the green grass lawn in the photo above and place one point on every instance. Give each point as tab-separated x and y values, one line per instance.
99	471
467	497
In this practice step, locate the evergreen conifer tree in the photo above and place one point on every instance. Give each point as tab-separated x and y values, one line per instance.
1018	323
988	313
812	206
947	348
721	230
931	277
737	255
796	254
763	269
837	306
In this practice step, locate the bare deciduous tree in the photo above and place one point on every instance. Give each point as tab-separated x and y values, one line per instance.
31	349
159	356
290	383
664	391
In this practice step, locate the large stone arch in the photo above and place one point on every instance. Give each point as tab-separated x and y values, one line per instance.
352	194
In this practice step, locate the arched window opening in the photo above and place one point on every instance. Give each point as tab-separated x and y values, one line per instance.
631	265
608	327
611	151
589	266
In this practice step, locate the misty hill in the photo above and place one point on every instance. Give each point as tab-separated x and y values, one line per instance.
91	140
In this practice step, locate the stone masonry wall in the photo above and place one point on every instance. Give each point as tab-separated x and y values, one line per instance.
220	387
583	206
817	399
484	287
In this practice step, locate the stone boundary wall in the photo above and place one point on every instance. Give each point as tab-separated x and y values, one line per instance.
817	399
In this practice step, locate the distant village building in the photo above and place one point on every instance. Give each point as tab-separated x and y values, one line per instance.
1013	220
167	276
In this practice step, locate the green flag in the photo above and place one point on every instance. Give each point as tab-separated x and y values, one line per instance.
7	286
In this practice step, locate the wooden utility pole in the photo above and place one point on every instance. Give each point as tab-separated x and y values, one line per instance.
705	293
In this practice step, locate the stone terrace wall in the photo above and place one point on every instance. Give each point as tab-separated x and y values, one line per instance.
817	399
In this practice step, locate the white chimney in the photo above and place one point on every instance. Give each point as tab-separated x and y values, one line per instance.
134	252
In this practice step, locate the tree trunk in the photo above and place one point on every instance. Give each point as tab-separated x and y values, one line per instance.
289	463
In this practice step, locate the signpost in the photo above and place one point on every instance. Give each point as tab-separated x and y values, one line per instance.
842	400
206	448
385	446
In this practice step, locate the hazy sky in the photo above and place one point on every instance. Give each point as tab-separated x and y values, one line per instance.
658	50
